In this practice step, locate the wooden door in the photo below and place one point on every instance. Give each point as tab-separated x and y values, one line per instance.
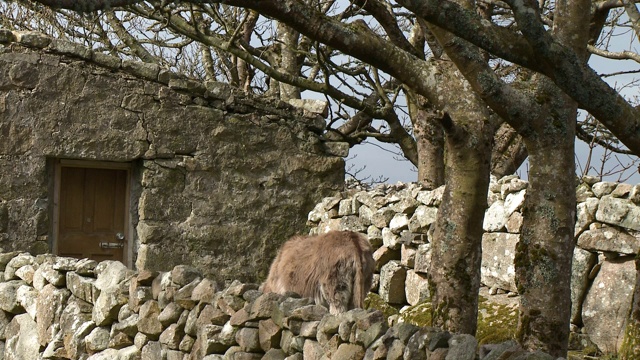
92	213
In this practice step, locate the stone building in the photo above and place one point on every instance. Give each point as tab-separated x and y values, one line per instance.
111	159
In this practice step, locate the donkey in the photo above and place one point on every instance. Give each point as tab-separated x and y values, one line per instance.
335	269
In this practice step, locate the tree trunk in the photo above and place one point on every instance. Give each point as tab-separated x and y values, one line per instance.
456	251
288	59
456	247
545	251
430	145
508	151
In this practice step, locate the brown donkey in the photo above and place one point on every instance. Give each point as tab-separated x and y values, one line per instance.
334	269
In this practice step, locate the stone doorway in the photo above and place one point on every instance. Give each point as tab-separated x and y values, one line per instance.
90	210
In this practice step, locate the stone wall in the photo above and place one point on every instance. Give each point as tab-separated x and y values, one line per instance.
63	308
398	219
220	179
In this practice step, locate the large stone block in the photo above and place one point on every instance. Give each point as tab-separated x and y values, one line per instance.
583	263
416	288
610	239
22	339
620	212
392	283
606	307
498	254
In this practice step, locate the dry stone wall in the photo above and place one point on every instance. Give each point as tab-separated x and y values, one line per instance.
62	308
216	173
398	221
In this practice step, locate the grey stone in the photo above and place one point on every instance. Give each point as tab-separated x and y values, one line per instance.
423	258
495	217
108	354
498	254
609	239
583	263
583	191
462	347
416	288
172	336
608	302
585	214
9	296
390	239
620	212
382	217
269	334
248	339
15	263
431	198
513	202
184	274
408	255
392	283
514	223
148	322
383	255
22	339
422	219
82	287
603	188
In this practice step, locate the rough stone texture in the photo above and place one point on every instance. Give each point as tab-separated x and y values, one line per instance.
620	212
609	239
607	305
208	162
416	288
392	283
583	262
498	253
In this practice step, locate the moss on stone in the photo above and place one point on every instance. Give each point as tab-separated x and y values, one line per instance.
630	348
374	301
419	314
496	322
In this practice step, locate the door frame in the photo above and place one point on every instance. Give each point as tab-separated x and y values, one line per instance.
91	164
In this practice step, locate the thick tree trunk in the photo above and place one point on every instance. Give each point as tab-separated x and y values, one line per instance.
545	250
456	251
456	246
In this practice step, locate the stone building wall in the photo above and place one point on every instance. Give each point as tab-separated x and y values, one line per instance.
398	218
220	179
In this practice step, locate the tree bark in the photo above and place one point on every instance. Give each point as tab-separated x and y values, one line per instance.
545	251
456	252
427	131
508	153
288	59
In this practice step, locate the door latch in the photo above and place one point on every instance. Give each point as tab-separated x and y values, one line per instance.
114	245
111	245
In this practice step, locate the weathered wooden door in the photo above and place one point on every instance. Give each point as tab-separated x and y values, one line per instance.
92	213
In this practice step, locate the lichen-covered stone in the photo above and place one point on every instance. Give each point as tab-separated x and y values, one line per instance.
606	307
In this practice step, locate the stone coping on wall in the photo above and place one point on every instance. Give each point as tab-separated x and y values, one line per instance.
63	308
313	111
